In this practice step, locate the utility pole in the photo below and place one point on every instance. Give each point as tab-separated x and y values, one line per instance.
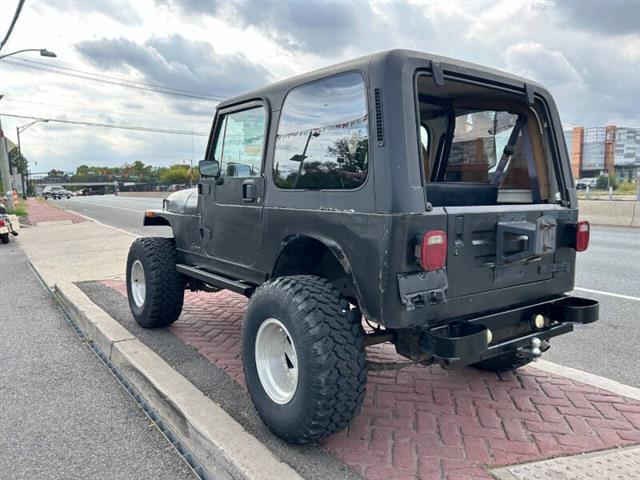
24	166
4	168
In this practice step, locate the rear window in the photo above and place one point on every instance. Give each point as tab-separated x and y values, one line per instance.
479	140
484	137
323	137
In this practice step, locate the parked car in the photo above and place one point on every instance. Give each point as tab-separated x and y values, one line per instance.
56	192
583	183
176	187
430	197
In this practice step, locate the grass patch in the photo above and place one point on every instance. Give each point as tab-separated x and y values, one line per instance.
627	187
20	211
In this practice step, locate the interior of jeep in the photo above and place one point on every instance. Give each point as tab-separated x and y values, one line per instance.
481	146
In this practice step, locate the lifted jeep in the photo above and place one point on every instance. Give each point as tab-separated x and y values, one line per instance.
430	196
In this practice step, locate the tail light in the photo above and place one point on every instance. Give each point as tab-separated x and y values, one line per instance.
432	250
2	223
582	236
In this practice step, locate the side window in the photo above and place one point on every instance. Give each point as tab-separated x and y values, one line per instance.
323	137
240	143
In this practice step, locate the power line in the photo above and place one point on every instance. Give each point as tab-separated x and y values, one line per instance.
110	77
13	23
93	110
108	125
123	83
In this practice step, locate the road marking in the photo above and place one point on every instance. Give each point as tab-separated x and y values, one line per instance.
94	220
111	206
610	294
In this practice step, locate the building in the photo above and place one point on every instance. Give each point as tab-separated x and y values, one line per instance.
596	151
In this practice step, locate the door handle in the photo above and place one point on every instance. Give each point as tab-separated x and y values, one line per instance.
249	191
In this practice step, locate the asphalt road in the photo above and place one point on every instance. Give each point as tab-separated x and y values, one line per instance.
609	271
62	414
118	211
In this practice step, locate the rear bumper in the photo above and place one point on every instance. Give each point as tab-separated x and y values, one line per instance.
469	341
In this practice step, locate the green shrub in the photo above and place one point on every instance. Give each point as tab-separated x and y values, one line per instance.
604	182
20	211
627	187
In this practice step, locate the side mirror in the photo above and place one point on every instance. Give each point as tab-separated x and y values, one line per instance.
209	168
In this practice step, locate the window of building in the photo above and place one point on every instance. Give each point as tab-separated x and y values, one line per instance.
240	143
323	137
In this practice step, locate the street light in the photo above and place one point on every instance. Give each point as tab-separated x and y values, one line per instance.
26	170
4	155
43	52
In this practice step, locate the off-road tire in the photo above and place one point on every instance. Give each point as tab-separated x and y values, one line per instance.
332	368
502	363
164	294
4	238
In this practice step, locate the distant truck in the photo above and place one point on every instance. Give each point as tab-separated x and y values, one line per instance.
93	190
400	197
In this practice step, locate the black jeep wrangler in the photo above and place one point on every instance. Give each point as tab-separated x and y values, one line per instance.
430	197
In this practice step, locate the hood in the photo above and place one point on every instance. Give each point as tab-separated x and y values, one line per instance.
183	201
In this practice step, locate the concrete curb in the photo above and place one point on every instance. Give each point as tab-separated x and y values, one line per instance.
588	378
224	448
619	213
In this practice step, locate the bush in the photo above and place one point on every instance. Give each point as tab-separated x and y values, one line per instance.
628	187
604	182
20	211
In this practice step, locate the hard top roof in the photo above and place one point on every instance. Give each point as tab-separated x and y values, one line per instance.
280	88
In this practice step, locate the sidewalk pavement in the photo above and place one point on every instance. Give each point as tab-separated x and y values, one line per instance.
417	422
62	414
40	212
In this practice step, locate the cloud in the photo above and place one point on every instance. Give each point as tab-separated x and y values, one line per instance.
533	60
322	28
177	62
122	12
611	17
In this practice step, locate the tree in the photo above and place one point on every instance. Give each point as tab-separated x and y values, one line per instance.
175	174
18	161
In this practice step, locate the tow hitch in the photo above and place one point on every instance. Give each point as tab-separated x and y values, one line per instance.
534	350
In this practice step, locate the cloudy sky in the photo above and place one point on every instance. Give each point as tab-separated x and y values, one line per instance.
586	52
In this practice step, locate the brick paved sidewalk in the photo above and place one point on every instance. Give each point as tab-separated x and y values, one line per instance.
41	211
430	423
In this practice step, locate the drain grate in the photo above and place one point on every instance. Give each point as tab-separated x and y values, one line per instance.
151	414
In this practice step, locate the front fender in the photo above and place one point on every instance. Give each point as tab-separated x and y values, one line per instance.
155	218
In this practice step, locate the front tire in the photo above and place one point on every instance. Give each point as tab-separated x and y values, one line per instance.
304	358
155	289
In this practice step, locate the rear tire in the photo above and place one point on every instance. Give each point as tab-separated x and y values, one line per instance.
303	357
155	289
502	363
4	238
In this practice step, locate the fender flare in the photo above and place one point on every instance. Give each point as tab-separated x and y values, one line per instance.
336	250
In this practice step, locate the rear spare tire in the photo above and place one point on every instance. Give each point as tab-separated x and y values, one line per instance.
155	289
303	357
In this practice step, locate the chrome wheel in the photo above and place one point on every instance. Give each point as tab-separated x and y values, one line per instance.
138	284
276	361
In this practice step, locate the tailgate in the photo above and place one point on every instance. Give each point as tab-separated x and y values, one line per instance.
495	247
